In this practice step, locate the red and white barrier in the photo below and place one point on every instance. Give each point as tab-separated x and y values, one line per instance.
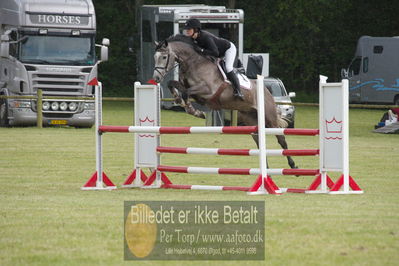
209	130
235	171
333	151
240	152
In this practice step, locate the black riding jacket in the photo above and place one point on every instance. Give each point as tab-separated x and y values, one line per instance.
211	44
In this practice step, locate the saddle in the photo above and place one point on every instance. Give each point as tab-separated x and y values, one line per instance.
239	70
238	66
245	83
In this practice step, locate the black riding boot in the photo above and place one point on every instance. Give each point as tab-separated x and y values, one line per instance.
236	85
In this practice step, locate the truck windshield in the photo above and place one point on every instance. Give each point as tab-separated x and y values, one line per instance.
354	68
58	50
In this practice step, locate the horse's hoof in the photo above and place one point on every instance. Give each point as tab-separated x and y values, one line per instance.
295	167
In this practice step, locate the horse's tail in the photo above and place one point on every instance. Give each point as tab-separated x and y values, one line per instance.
281	122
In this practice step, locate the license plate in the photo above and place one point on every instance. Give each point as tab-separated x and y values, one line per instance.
58	122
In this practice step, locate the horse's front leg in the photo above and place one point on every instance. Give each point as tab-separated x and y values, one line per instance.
181	97
190	109
194	91
177	89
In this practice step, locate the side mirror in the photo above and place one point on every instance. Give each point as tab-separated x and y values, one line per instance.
292	94
104	53
344	73
105	42
5	46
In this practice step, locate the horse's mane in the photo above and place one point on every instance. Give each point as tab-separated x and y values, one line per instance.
180	38
177	38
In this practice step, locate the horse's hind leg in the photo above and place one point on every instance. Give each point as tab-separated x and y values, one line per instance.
250	119
283	144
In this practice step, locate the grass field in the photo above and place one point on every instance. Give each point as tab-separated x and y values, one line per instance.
45	218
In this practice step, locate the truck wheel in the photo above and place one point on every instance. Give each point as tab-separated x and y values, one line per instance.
77	127
3	113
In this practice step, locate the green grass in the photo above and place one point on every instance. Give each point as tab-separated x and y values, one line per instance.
45	218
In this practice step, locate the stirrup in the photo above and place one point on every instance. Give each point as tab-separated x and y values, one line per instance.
238	94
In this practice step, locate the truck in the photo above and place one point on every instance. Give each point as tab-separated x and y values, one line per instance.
158	22
48	45
374	71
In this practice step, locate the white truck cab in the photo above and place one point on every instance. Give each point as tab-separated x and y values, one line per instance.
48	45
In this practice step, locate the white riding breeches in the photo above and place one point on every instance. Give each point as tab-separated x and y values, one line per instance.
229	57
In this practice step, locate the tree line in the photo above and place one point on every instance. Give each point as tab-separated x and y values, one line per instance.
304	38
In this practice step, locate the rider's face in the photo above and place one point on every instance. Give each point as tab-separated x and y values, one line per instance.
189	32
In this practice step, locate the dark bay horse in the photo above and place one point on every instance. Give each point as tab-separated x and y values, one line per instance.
201	80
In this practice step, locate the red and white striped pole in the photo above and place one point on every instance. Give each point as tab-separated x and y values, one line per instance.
209	130
240	152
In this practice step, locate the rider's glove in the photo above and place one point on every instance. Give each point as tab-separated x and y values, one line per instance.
198	49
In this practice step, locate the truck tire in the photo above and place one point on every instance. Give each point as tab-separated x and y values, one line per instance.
3	113
78	127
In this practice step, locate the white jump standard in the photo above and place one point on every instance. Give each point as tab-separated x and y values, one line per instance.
98	181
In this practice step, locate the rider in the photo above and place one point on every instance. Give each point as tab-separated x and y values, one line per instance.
217	47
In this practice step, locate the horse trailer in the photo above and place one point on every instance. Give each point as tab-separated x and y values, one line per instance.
158	22
374	71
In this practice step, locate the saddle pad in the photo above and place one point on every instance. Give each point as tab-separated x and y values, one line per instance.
245	83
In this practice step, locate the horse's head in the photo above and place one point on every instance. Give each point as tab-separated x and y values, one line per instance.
164	60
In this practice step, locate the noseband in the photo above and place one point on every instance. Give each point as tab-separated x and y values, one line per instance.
165	68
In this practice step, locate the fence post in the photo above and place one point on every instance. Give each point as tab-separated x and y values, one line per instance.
234	118
39	108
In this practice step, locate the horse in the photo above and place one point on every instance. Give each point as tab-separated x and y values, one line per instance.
201	80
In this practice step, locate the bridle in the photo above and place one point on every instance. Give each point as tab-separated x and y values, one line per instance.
165	68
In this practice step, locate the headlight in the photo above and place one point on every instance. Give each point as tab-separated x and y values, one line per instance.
89	106
73	106
21	104
63	106
46	106
54	106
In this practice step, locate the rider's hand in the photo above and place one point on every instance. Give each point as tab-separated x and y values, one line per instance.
199	49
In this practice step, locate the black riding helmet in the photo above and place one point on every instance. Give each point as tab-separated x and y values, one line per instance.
193	23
